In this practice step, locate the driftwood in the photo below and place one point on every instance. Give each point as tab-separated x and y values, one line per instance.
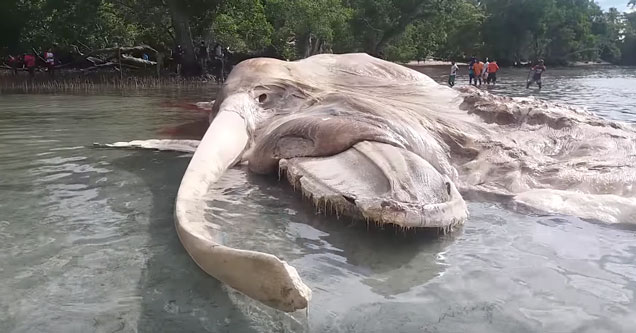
126	59
116	58
11	68
95	61
115	50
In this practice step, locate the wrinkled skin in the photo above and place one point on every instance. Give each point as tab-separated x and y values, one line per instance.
345	131
378	141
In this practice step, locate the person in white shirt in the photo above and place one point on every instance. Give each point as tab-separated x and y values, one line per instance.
484	72
453	74
49	58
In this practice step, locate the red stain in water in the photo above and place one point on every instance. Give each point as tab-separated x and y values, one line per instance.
193	129
190	130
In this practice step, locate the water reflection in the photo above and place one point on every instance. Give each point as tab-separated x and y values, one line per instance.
273	218
347	265
605	90
176	295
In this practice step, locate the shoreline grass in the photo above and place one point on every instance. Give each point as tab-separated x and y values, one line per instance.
78	82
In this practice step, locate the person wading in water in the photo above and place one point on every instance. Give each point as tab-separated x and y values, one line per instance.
537	71
478	68
484	72
471	71
492	72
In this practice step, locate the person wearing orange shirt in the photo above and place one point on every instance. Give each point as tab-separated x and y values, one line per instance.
479	68
492	72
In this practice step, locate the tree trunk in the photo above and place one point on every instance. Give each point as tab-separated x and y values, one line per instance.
183	36
312	46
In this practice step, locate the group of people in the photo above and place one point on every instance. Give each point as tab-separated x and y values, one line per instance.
486	72
29	61
216	62
478	71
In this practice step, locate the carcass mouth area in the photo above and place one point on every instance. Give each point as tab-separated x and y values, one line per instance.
379	183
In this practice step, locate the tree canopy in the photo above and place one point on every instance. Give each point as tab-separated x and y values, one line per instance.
559	31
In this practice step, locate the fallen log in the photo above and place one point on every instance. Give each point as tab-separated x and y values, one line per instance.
130	60
20	69
11	68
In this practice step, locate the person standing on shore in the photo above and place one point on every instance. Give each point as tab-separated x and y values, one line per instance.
219	59
537	71
13	63
492	72
49	59
203	57
479	68
453	74
29	63
177	57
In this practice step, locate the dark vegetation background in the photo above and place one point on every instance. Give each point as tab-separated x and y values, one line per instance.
560	31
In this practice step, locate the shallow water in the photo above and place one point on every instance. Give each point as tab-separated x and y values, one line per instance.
606	90
87	242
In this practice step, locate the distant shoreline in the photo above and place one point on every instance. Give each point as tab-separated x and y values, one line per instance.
437	63
590	63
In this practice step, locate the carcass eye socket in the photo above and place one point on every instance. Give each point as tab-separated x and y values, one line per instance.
262	98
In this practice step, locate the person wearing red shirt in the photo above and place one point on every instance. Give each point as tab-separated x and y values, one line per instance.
537	70
29	63
492	72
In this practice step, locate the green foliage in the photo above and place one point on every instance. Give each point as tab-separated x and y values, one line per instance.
242	25
628	48
508	30
295	22
558	30
464	32
378	24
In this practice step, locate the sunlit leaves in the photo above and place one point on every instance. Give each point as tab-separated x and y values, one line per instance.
242	25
